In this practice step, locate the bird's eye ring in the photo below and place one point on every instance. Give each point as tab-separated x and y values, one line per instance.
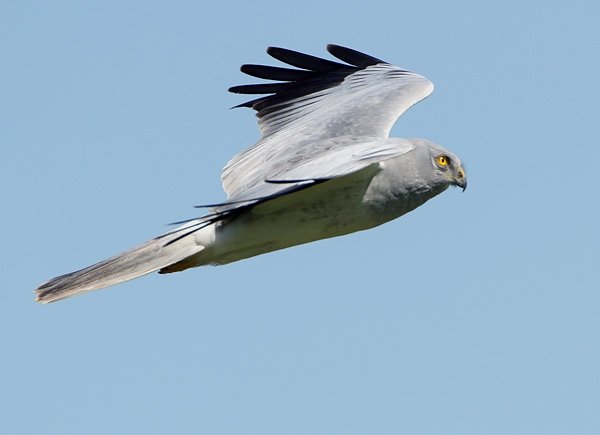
442	161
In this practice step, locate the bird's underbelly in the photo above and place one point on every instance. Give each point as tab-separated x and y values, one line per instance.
328	210
258	233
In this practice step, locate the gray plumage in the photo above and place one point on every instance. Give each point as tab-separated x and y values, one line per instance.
324	167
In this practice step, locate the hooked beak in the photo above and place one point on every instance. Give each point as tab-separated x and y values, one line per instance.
460	179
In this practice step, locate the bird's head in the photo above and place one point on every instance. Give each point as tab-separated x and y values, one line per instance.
445	167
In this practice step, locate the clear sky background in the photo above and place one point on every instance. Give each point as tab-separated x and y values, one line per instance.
478	313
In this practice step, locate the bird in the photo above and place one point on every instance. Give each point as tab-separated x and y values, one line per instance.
323	167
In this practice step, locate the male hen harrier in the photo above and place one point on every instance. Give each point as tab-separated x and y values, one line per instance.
323	167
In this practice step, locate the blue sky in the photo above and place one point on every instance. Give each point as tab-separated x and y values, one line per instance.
477	313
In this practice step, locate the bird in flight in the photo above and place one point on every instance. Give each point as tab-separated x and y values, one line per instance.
324	166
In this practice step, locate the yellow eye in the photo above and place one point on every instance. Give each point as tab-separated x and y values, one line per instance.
442	160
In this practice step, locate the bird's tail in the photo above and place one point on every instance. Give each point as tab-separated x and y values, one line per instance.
146	258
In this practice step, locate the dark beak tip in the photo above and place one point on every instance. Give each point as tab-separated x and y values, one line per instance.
462	183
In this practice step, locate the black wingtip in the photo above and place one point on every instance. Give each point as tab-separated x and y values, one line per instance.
275	73
314	74
302	60
353	57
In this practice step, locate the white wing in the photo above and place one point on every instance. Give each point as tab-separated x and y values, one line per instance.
332	158
358	101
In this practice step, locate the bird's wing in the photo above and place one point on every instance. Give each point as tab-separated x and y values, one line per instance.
320	100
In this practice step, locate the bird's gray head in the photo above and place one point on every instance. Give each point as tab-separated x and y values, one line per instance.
446	166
